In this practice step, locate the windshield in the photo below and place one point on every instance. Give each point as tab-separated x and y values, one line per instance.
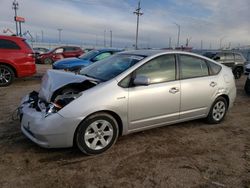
89	55
111	67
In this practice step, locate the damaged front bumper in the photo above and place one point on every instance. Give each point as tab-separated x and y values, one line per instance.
53	131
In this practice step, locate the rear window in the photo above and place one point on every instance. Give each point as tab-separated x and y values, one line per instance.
8	44
27	44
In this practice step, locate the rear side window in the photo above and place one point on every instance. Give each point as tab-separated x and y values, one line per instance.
70	49
229	56
214	68
27	44
8	44
192	67
238	57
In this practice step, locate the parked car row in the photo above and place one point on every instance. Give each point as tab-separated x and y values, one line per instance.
76	64
59	53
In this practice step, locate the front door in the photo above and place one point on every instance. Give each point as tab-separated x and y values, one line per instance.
159	102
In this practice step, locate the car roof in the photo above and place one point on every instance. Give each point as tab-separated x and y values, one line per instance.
143	52
108	49
11	37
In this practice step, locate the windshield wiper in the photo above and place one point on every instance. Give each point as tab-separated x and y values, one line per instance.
99	80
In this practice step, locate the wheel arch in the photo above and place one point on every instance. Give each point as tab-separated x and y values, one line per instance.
225	97
113	114
10	66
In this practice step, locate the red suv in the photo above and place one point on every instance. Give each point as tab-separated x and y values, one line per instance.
59	53
17	59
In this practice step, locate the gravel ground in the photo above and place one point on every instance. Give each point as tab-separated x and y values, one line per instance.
191	154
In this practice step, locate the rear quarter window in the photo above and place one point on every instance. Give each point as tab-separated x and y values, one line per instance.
8	44
213	68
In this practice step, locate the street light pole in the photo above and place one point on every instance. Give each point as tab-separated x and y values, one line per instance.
111	38
221	39
59	34
179	32
15	7
138	13
104	38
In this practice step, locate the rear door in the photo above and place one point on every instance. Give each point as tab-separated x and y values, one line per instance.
159	102
198	87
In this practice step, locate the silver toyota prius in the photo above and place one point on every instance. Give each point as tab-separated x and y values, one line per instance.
128	92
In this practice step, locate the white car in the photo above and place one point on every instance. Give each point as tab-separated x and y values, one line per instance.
126	93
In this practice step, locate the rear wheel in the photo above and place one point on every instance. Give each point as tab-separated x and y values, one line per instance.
96	134
237	73
217	111
7	75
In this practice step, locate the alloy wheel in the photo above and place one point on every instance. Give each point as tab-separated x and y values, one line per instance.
98	134
5	75
219	110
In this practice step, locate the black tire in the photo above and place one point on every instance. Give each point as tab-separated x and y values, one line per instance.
7	76
48	61
247	86
237	72
87	145
217	114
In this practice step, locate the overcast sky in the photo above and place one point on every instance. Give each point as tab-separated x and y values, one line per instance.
85	21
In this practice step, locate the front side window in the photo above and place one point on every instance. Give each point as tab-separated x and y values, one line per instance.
192	67
158	70
8	44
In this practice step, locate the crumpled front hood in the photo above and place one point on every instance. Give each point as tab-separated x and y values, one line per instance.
54	80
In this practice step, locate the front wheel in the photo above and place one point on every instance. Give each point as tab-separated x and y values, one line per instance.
217	111
96	134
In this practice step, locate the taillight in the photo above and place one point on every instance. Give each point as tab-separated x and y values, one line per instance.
33	55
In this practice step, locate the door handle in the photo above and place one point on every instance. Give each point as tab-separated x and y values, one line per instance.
174	90
213	84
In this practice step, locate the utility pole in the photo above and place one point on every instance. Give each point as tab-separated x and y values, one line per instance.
15	6
178	34
221	39
138	13
59	34
111	38
42	34
170	42
201	44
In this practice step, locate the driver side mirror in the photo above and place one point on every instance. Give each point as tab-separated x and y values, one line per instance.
141	81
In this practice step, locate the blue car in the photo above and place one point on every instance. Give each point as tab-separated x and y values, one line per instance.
75	64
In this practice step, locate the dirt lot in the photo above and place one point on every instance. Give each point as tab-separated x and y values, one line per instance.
191	154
